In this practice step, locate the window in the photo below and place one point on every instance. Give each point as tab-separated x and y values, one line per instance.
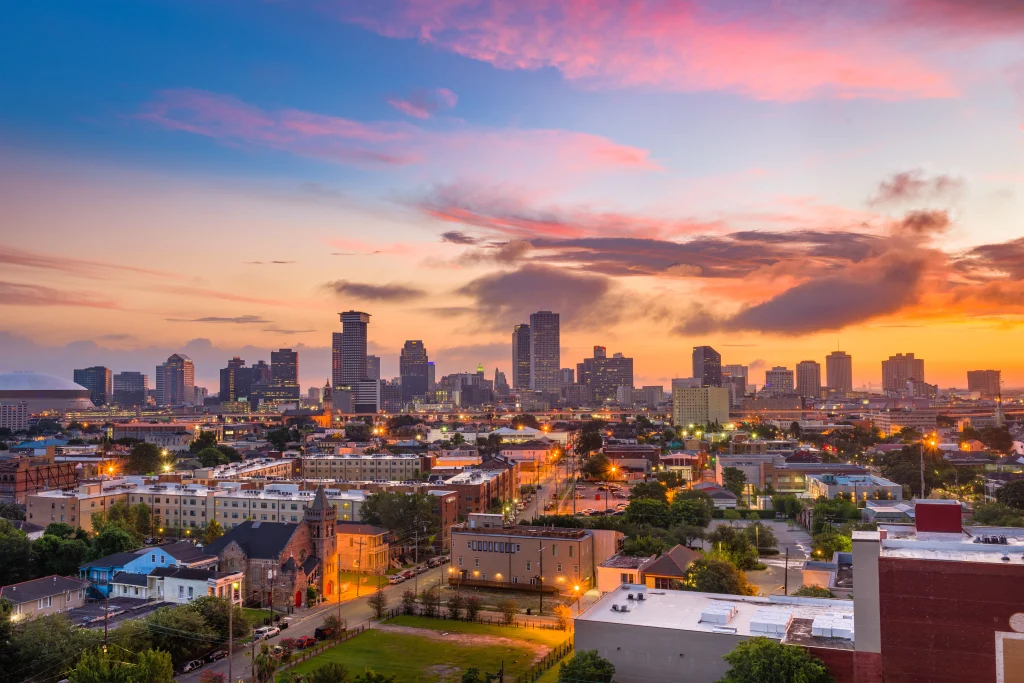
476	562
190	592
515	579
570	551
45	602
576	569
625	578
181	591
483	577
460	560
554	550
558	567
529	565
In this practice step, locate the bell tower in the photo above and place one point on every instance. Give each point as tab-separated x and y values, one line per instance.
327	398
321	518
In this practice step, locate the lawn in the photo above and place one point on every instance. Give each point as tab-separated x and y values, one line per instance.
548	637
256	615
417	659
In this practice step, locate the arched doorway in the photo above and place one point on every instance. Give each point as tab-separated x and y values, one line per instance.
330	588
298	598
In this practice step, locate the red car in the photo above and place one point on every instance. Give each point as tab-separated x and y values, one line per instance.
303	642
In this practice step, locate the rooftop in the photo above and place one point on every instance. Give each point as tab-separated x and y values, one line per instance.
472	477
528	532
625	562
26	591
805	621
989	545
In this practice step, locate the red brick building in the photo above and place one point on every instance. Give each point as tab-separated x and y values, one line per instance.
24	475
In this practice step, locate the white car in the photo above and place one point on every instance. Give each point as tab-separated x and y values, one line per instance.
265	632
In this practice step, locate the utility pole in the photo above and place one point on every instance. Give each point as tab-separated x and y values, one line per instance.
922	469
541	551
359	566
231	631
785	590
337	588
272	576
106	617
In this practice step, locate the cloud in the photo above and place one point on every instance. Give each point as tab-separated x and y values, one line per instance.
915	185
920	223
11	256
423	104
384	143
278	330
830	302
456	237
18	294
465	358
202	292
236	320
509	297
768	52
268	263
368	292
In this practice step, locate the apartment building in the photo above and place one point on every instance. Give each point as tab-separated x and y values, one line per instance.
363	467
75	506
362	547
22	476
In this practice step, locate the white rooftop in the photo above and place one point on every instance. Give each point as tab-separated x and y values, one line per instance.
989	545
772	616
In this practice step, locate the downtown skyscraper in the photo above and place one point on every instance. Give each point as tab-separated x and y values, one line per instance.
839	373
100	383
545	352
707	366
175	381
348	362
412	368
521	357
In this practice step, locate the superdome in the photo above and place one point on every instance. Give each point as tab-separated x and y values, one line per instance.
43	392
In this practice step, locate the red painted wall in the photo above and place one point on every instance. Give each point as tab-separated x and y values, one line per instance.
938	517
939	618
847	666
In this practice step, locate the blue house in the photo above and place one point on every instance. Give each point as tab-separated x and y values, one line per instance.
141	562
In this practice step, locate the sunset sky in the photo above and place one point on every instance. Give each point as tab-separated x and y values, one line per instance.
777	179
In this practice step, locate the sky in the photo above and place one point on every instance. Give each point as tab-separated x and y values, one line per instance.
775	178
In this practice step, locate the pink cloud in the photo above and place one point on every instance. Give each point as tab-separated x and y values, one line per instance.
19	294
793	53
523	151
423	104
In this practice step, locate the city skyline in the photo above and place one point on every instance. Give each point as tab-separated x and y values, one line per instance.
776	203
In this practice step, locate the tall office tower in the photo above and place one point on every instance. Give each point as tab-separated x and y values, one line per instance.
521	357
313	395
199	395
431	376
130	389
545	351
159	390
348	362
284	376
100	383
986	382
707	366
808	379
235	380
373	367
412	368
839	373
567	376
391	397
899	370
699	406
778	381
500	384
605	375
178	381
736	370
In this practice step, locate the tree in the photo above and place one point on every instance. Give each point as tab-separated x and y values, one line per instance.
794	429
113	539
788	505
281	436
137	520
214	611
64	530
183	633
474	675
211	457
473	606
997	514
694	511
264	665
332	672
334	624
588	442
401	511
998	439
587	666
734	480
430	597
96	666
813	592
232	454
713	575
48	643
56	555
596	466
371	676
15	554
378	602
525	420
734	544
212	532
202	442
214	677
648	512
653	490
764	660
144	458
643	546
455	605
827	544
509	609
1012	494
408	601
563	615
762	536
11	511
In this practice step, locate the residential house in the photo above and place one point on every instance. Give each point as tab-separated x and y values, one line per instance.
362	547
100	572
48	595
621	569
669	570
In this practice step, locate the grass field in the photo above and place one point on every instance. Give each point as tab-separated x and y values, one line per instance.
444	651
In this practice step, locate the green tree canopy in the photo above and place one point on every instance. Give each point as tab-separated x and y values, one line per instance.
56	555
713	575
10	510
734	480
1012	494
214	612
652	490
644	546
15	555
763	660
813	592
586	666
596	466
826	544
212	531
734	544
331	672
144	458
761	536
113	539
525	420
96	666
211	457
648	512
183	633
203	441
412	512
997	514
692	510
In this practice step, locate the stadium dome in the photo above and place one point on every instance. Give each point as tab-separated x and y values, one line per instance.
43	392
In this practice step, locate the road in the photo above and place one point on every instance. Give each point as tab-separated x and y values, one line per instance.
304	622
772	581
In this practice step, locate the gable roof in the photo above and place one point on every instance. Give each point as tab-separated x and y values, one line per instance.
260	540
185	553
189	573
114	560
360	528
27	527
673	563
130	579
26	591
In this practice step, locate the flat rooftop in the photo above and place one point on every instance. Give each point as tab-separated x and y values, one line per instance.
788	619
986	544
526	532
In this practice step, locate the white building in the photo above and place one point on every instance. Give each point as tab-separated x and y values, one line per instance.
699	405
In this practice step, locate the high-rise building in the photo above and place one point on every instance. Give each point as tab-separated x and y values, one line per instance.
605	375
412	367
391	397
521	357
100	383
707	366
778	381
235	381
501	387
348	349
199	395
373	367
567	376
431	376
545	351
839	373
899	370
178	386
158	384
699	405
284	376
808	379
986	382
130	389
736	370
313	395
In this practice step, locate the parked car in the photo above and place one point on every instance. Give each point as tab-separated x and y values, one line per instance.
409	573
264	632
323	633
421	569
216	655
396	579
620	495
434	562
445	559
284	623
302	642
602	488
590	511
192	666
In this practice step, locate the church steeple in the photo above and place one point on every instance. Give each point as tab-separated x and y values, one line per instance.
321	517
327	398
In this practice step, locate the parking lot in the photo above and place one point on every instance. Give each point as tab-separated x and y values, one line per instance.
597	498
